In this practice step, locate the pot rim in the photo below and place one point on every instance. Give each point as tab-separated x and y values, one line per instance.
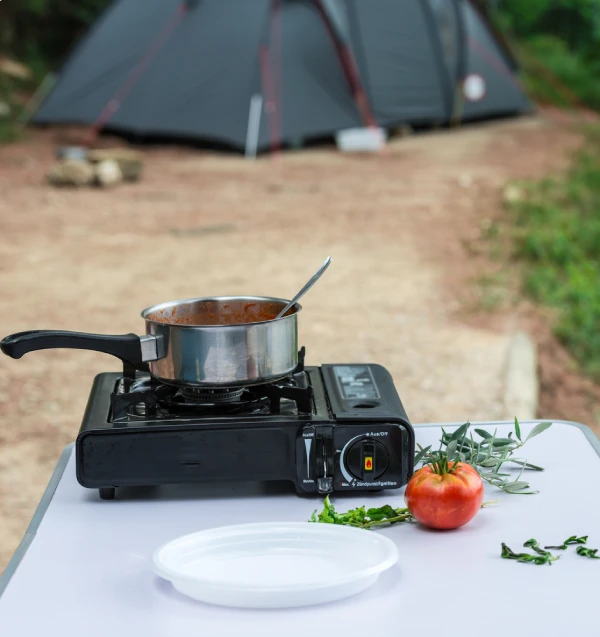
169	304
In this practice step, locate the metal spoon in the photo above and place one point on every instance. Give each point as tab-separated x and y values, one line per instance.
313	279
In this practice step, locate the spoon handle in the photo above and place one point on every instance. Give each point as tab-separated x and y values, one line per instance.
313	279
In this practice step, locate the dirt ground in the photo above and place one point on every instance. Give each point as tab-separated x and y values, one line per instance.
400	292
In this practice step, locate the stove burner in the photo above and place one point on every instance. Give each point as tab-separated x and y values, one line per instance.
142	399
211	396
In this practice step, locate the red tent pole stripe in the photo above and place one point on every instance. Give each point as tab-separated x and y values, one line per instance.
360	94
277	53
351	69
494	61
136	73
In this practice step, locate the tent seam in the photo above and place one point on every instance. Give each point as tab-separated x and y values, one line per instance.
447	88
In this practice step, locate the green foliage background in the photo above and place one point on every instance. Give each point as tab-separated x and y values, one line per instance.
41	32
556	233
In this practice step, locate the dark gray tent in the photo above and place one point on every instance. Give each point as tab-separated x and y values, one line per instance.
191	69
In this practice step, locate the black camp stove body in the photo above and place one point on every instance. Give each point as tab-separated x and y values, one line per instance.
325	429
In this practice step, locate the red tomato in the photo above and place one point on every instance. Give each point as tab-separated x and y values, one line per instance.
445	500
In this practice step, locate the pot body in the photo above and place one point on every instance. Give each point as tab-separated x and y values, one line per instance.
229	341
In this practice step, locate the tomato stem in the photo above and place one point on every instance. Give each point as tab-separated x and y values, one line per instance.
441	465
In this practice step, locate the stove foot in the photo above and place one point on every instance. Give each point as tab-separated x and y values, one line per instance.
107	493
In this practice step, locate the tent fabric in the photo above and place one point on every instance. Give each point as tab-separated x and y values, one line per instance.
411	56
486	59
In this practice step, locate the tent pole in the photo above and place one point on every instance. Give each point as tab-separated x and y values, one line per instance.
136	73
256	103
350	69
276	38
458	109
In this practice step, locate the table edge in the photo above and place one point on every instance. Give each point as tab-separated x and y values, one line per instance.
36	519
42	507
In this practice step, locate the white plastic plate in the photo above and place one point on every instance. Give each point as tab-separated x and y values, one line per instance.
275	565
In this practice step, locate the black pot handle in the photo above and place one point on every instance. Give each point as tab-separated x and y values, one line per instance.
126	347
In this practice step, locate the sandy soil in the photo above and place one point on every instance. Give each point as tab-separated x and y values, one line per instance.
399	291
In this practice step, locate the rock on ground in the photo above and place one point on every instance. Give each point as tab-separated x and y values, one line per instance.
71	172
108	173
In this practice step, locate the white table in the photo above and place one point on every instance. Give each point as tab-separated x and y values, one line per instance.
83	568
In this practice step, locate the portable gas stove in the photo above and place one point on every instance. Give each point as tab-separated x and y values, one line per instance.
328	428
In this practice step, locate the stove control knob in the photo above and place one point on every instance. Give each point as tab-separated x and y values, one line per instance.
367	459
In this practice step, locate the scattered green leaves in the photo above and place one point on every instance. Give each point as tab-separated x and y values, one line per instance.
364	518
572	540
543	558
591	553
534	546
487	455
361	517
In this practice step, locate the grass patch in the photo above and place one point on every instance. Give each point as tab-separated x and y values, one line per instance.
556	235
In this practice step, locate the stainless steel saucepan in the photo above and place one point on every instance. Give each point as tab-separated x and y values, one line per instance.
227	341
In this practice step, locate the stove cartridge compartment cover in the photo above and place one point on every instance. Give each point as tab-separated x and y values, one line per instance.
370	443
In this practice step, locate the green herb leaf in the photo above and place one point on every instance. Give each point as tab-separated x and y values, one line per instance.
534	544
360	517
525	464
517	487
543	557
421	454
531	543
502	442
507	553
584	552
451	449
490	453
576	540
458	434
538	429
572	540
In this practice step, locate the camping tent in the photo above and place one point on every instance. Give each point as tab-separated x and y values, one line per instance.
193	68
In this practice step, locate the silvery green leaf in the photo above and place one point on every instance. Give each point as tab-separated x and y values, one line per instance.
538	429
483	433
421	453
490	462
460	431
451	449
517	428
525	464
502	442
517	487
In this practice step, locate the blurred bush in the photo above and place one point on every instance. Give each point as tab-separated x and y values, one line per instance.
42	32
558	42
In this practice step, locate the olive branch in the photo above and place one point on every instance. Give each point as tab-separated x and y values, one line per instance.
487	456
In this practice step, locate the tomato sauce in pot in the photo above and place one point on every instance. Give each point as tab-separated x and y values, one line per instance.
217	313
